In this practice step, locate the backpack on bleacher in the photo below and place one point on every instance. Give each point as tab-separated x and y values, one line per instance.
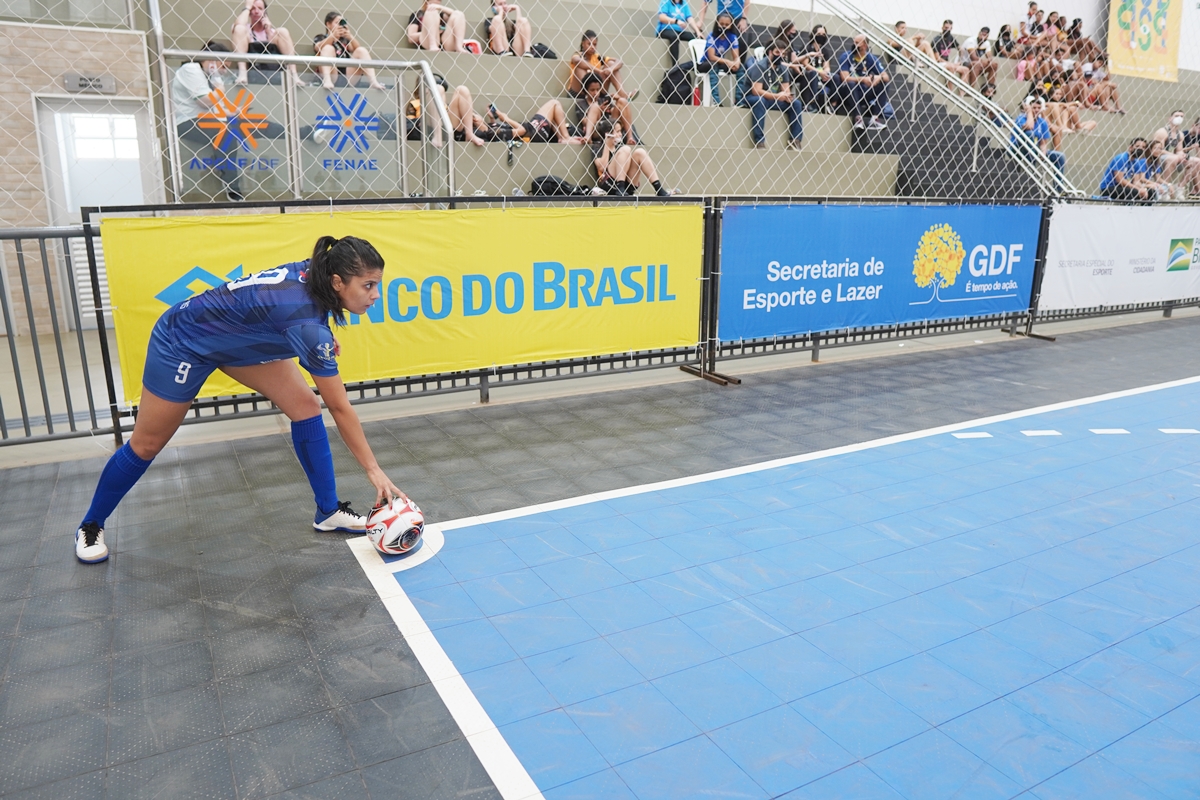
676	86
554	186
540	50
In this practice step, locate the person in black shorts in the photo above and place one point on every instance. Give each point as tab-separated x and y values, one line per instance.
337	42
254	33
547	126
620	167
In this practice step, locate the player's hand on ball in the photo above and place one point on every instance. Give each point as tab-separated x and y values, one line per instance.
384	486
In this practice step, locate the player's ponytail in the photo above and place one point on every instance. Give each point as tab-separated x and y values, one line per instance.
345	257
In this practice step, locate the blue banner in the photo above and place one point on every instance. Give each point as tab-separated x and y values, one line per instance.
798	269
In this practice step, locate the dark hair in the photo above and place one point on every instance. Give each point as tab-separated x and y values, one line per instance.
717	29
590	79
588	34
346	258
1137	139
983	90
603	128
216	46
984	29
947	22
604	98
899	22
331	16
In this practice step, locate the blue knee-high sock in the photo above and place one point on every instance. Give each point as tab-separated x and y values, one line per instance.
312	448
121	472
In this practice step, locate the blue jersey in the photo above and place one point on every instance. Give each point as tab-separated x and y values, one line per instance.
262	317
1125	164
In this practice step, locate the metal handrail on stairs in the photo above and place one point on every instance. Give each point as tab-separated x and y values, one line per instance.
1025	153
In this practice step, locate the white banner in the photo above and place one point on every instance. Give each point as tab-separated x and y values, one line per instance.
1111	255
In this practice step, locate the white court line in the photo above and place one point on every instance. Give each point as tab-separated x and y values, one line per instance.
1041	433
506	771
1108	431
972	435
1178	430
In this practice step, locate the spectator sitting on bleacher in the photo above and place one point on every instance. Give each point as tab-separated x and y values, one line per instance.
1052	31
1035	64
771	90
1083	48
602	106
435	27
917	41
547	126
720	53
1063	117
988	90
815	78
676	24
1101	89
621	166
863	85
1032	124
589	62
1026	32
1005	46
1124	177
254	33
1157	176
947	53
507	31
191	89
980	63
338	42
1175	158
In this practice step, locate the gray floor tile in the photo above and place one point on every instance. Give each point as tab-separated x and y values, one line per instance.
145	673
264	646
163	723
273	759
46	694
64	575
273	695
347	786
88	786
10	615
49	751
154	627
202	772
16	583
20	553
371	671
61	647
166	588
449	771
397	724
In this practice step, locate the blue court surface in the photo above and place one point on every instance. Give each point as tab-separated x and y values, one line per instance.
973	612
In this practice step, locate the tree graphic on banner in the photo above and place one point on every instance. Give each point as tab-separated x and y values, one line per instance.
939	258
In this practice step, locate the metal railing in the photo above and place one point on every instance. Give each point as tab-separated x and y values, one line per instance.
959	95
46	313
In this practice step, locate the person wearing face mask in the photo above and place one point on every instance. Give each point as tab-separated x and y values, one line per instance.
1170	136
863	84
1125	174
771	90
720	54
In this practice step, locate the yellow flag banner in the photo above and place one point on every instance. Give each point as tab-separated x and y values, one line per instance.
1143	38
462	289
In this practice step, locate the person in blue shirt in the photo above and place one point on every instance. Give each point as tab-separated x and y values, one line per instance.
863	85
720	53
1124	176
250	329
1031	122
771	90
676	24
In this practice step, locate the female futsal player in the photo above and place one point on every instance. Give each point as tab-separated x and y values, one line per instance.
250	329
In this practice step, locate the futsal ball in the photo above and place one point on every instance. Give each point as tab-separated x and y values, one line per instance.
395	527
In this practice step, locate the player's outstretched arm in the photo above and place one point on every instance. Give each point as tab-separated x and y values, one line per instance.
333	392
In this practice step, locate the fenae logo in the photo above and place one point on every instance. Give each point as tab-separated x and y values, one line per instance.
346	125
1182	253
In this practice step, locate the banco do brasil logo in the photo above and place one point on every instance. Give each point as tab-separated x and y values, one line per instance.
1182	253
939	258
348	123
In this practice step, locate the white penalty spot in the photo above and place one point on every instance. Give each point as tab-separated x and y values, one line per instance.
972	435
1108	431
1041	433
1178	430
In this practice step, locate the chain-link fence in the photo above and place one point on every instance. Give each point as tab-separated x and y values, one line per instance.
654	102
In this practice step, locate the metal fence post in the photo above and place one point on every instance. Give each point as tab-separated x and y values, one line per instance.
105	355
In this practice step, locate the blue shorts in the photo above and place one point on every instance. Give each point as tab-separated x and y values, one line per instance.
171	373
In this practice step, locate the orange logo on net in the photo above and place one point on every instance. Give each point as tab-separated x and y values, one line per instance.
232	120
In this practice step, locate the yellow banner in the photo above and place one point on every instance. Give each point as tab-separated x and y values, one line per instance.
461	289
1143	38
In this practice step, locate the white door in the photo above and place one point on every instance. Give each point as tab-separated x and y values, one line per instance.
97	152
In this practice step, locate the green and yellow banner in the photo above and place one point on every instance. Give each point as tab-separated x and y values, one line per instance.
1143	38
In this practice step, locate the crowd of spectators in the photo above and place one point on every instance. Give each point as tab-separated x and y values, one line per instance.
1164	167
